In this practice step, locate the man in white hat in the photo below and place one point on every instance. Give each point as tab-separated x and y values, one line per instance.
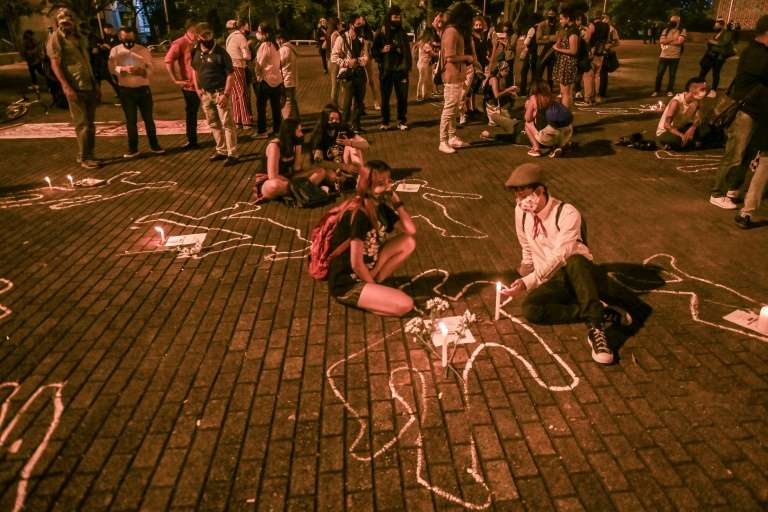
563	283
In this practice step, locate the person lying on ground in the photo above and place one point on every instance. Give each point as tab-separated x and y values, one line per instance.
679	124
557	269
548	123
379	235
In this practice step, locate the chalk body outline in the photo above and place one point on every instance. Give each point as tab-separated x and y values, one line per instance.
36	196
474	470
241	210
5	311
29	466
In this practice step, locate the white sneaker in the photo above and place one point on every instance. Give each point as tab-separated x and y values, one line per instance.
654	94
462	120
384	127
456	142
578	95
402	127
445	148
670	94
601	352
723	202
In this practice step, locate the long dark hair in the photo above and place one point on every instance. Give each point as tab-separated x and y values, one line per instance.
285	136
269	34
363	199
460	15
543	94
321	128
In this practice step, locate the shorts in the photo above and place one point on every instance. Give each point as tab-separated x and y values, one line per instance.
352	296
555	137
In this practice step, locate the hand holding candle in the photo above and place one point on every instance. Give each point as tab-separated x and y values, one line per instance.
517	288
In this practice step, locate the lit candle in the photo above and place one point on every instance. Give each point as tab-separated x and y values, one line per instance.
444	332
498	301
48	181
161	232
71	181
762	320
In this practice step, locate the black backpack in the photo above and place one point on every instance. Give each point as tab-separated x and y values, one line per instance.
582	236
302	193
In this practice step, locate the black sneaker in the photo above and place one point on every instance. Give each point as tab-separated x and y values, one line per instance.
190	145
616	316
231	160
217	156
744	221
601	352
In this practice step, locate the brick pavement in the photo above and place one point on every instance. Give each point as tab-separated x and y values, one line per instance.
231	381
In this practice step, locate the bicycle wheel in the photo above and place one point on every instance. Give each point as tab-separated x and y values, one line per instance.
15	111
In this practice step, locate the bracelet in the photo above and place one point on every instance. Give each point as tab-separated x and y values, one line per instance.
397	205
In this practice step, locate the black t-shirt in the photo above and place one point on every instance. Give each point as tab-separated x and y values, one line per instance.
326	142
211	67
341	277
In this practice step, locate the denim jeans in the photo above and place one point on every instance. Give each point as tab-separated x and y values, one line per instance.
452	96
664	65
133	101
221	122
730	174
573	294
715	65
398	81
191	107
83	112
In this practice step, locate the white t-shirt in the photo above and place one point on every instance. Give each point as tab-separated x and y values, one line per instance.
268	64
685	113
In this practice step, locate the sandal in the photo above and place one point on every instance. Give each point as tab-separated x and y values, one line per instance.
534	153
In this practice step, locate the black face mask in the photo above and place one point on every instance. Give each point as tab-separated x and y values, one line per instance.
208	44
672	24
551	19
129	44
298	141
397	24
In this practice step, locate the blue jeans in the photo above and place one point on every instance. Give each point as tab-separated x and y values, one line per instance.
730	174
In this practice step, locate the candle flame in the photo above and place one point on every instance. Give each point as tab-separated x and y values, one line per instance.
48	180
71	180
443	328
161	232
498	286
764	311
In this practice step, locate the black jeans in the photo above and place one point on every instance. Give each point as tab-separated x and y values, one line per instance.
715	65
603	82
664	65
353	89
399	81
529	66
548	64
34	70
264	93
191	108
324	59
573	294
134	100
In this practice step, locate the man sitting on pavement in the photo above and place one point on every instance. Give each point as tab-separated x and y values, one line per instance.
681	119
557	269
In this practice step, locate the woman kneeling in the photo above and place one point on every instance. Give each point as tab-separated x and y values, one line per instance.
373	249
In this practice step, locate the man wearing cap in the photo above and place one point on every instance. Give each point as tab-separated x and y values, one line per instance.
213	79
563	283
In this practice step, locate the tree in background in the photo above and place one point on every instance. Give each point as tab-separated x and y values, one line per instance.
11	11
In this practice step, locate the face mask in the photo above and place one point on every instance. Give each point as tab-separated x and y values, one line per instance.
551	19
672	24
333	126
529	203
208	44
699	95
397	24
297	141
129	44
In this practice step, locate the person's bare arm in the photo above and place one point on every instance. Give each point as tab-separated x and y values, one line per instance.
273	161
298	161
405	224
356	250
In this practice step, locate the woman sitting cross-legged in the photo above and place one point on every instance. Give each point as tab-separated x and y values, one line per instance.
282	161
372	250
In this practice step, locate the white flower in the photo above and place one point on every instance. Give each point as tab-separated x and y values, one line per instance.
414	326
469	317
437	305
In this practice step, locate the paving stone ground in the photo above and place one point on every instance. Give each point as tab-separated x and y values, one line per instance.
136	379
